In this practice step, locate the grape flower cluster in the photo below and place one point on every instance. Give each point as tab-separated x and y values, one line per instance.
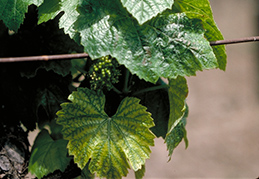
104	72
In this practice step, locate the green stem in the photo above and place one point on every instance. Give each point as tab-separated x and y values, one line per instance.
116	90
126	81
80	70
150	89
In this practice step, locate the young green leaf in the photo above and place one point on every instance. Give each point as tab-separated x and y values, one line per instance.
201	9
110	142
48	155
178	91
145	10
12	12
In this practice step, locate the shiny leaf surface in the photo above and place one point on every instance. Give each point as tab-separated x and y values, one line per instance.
144	10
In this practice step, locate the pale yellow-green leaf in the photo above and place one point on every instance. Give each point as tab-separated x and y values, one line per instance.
112	143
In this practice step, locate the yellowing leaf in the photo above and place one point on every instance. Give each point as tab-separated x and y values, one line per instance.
110	142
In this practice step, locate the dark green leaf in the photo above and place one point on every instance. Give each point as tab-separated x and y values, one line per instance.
177	134
50	9
153	50
12	12
144	10
60	67
48	155
178	91
201	9
50	94
139	174
169	45
157	103
86	174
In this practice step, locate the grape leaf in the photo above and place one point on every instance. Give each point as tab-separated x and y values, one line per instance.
50	9
48	155
144	10
177	134
156	101
60	67
152	50
110	142
48	99
177	92
85	173
12	12
201	9
139	174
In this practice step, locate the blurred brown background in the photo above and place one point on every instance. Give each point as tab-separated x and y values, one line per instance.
223	124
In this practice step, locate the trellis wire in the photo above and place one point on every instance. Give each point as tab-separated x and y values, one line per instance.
85	55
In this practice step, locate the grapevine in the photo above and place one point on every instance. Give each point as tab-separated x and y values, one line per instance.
108	123
104	73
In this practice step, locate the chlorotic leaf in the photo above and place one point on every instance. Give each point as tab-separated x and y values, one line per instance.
178	91
110	142
12	12
201	9
48	155
144	10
